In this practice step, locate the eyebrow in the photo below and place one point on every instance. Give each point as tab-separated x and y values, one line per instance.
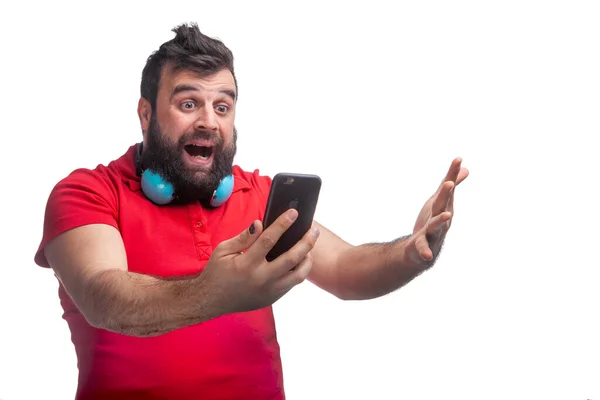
191	88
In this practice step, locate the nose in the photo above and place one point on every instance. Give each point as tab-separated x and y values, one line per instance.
207	120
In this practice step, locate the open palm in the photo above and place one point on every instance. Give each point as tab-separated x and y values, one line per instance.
435	217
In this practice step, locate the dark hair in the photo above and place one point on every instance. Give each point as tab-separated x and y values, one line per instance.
189	49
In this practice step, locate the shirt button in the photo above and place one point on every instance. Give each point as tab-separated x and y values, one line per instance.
198	224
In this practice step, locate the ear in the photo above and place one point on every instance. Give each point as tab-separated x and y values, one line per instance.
144	113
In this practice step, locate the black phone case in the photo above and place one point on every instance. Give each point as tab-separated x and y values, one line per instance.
299	191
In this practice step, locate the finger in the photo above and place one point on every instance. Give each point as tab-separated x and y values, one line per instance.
453	171
294	256
295	276
442	199
271	235
436	223
241	242
450	206
462	175
422	248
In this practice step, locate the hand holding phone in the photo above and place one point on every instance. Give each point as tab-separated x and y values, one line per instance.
298	191
240	278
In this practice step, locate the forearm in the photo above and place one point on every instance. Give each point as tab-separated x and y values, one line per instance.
140	305
376	269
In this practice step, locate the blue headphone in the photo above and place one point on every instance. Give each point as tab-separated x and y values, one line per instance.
161	192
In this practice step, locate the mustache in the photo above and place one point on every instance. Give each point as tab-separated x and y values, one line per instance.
202	135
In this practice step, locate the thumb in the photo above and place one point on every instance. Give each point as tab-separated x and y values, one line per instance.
241	242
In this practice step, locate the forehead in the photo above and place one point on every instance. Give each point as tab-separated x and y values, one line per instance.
215	82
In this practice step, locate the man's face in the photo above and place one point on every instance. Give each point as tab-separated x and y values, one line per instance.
190	138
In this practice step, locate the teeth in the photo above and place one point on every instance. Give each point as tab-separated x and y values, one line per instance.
200	152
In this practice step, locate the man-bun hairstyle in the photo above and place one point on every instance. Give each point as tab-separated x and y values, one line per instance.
189	49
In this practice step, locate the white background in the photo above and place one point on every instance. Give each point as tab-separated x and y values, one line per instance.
377	98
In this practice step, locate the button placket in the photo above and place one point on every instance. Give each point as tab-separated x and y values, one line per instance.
199	232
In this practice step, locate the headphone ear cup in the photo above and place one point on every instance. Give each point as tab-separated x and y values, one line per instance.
156	188
223	192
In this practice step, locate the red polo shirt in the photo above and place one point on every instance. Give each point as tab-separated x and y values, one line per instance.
231	357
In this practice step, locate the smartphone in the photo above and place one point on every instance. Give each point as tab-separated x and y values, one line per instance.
298	191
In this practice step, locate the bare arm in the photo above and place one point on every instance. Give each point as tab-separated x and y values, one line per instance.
360	272
91	263
375	269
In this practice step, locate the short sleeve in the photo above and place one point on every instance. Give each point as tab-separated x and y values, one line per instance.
84	197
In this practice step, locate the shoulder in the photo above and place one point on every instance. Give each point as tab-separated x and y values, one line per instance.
85	183
253	180
100	184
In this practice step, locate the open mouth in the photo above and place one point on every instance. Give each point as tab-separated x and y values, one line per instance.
201	153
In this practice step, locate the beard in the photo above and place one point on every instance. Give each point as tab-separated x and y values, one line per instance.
165	158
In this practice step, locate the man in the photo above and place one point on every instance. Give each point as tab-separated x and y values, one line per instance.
172	299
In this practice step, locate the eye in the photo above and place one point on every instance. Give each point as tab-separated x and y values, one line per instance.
222	109
188	105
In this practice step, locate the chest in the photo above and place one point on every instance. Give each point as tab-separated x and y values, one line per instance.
179	240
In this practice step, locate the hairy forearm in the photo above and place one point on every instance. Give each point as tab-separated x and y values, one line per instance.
375	269
141	305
